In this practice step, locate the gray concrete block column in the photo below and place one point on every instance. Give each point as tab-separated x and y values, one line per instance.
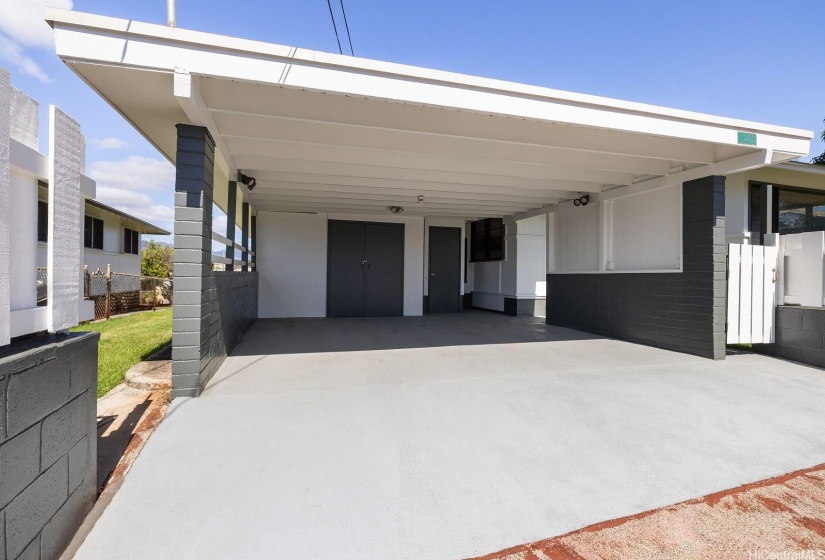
245	235
231	210
194	281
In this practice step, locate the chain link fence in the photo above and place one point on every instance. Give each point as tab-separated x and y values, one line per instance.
117	293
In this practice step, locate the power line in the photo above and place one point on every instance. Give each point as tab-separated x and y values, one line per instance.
349	38
335	27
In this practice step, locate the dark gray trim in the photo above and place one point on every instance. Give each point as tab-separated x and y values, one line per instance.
253	226
678	311
231	212
800	335
467	300
245	235
523	306
426	305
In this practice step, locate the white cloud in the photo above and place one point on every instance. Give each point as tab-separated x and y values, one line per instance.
24	21
133	185
22	24
135	173
114	196
12	54
109	143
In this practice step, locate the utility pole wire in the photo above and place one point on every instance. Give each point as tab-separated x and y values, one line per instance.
335	27
349	37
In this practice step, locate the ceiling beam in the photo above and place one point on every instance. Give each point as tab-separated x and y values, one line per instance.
266	188
256	100
271	129
429	171
478	184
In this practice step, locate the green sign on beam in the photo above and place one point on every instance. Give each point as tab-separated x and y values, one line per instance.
746	138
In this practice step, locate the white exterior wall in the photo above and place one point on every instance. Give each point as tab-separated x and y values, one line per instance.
292	265
23	237
292	262
573	236
646	231
522	272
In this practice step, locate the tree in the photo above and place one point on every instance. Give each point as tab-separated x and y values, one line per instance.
157	260
820	159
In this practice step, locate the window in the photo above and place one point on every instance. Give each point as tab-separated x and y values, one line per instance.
792	210
487	240
42	221
131	241
799	211
93	233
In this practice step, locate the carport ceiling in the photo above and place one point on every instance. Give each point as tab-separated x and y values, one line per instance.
328	133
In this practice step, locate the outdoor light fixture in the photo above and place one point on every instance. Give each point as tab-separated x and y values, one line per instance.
396	209
250	182
582	201
420	200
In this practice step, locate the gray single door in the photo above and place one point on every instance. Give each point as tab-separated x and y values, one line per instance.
346	269
365	269
444	270
384	283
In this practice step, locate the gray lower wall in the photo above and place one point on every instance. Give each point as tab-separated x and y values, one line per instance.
678	311
524	306
237	297
48	442
230	302
800	335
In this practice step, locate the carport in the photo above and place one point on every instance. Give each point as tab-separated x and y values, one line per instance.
287	142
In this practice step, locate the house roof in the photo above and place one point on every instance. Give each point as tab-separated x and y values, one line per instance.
331	133
136	223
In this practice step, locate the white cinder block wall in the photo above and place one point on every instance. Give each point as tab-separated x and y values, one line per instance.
292	262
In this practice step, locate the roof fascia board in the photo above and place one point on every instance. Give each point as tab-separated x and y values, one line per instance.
83	37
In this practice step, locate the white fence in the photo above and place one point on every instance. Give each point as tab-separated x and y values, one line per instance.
752	277
22	170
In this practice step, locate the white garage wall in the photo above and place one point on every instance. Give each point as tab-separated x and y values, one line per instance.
532	257
574	239
291	255
292	262
646	231
23	240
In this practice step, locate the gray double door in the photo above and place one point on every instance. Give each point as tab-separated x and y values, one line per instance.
365	269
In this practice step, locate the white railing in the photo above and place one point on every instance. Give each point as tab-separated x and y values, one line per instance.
801	268
22	169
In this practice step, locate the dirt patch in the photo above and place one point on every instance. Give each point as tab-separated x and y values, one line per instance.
781	515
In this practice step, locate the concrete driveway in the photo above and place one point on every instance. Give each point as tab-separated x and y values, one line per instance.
446	437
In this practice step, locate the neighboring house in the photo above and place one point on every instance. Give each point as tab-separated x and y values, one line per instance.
110	237
366	188
784	198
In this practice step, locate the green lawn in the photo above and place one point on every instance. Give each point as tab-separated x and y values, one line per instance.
124	341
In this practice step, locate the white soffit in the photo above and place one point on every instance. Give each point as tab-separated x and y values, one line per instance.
324	132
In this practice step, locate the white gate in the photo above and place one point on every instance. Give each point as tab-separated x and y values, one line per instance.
752	275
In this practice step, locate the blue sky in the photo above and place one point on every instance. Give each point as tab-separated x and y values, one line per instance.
753	59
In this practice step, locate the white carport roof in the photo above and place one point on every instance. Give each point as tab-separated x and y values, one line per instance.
329	133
